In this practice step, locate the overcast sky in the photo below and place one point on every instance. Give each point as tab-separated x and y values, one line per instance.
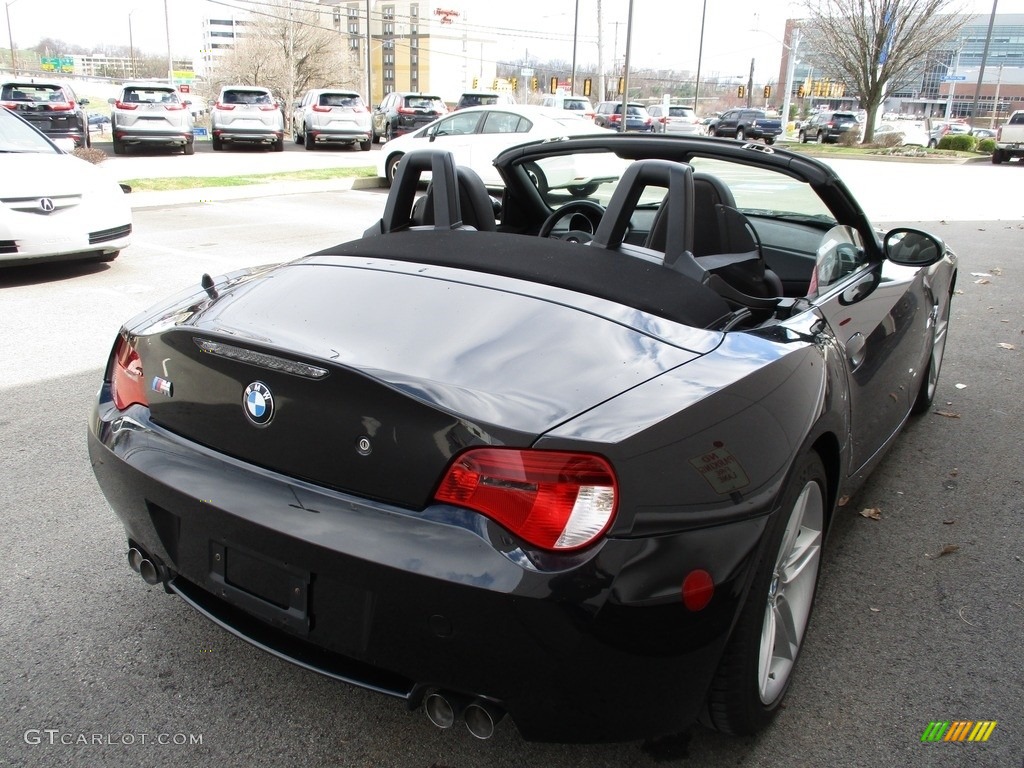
666	33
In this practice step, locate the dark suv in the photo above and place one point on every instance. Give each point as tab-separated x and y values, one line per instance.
609	115
401	113
51	107
828	127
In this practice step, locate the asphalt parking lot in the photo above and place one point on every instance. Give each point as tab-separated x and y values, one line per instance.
919	617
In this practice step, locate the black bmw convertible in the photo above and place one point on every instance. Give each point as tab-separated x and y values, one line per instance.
567	451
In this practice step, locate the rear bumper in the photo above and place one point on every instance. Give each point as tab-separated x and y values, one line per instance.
163	138
340	136
584	647
251	136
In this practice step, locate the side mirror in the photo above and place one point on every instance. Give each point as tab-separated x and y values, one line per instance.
913	248
83	102
111	100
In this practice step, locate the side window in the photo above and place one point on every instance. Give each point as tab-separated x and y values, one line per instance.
503	122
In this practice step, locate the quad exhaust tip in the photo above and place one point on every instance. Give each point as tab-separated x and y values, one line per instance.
480	716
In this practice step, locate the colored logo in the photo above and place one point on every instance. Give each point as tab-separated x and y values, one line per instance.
958	730
258	402
163	386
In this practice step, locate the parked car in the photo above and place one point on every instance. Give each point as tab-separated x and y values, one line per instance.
246	114
578	105
909	132
983	133
151	115
828	127
400	112
675	118
98	122
476	135
332	116
609	115
484	99
745	124
56	207
940	128
585	486
50	106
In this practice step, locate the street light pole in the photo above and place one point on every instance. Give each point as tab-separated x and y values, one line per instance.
131	44
575	30
10	35
167	27
790	73
700	54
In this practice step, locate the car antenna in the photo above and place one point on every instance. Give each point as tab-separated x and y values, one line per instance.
208	285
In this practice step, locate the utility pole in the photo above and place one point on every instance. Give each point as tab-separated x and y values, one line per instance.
369	55
10	36
170	62
600	53
750	86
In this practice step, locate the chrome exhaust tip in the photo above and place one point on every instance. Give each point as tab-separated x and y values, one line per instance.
444	708
481	717
135	558
150	572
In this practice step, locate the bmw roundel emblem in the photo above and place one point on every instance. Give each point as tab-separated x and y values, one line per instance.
258	402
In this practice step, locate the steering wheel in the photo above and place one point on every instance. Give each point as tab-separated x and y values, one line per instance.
584	217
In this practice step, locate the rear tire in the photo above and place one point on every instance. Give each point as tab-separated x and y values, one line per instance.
820	138
216	143
739	134
118	147
364	146
997	157
309	141
278	146
190	148
930	382
757	666
769	140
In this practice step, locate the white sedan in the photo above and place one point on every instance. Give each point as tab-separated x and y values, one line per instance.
910	133
55	206
476	135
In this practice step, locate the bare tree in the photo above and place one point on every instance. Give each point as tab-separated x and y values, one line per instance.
289	49
878	46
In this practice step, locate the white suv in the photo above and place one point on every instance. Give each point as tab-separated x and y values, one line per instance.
246	114
151	114
578	105
327	115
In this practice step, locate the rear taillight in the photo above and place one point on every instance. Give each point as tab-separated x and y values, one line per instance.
226	107
406	111
67	106
662	120
554	500
268	107
318	108
173	106
11	105
125	105
614	118
127	381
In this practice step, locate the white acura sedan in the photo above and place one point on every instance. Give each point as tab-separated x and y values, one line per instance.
53	205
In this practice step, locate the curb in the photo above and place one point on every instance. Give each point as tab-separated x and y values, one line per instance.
203	195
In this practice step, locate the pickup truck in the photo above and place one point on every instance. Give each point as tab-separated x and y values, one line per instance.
1010	139
748	124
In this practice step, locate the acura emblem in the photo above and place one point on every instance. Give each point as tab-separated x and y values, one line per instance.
258	403
46	204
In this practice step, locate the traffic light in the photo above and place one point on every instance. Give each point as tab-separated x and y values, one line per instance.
554	84
476	83
515	84
741	91
801	91
622	85
767	91
587	86
534	84
494	84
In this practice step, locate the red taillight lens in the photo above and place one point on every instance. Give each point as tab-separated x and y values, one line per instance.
174	106
406	111
226	107
318	108
614	118
127	381
268	107
125	105
662	120
67	106
553	499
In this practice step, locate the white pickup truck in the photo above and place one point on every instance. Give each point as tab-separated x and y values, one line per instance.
1010	139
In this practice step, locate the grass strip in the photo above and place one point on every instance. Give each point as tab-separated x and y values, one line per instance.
194	182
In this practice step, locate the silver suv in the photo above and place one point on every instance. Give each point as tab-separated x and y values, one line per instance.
326	115
246	114
151	114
